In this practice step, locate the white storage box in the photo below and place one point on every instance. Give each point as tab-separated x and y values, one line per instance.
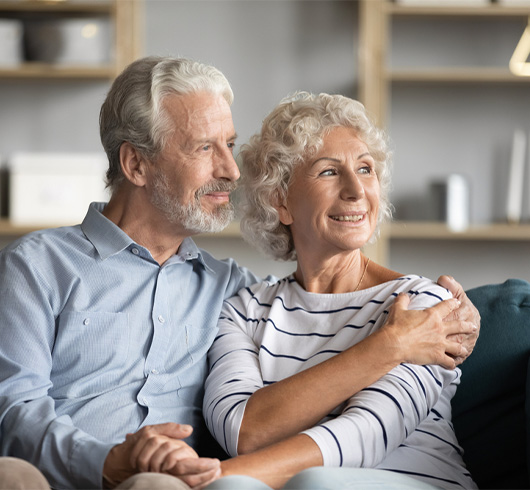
86	41
54	188
10	43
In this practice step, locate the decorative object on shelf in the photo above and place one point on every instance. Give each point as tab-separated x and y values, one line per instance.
514	200
452	202
54	188
83	41
519	64
11	52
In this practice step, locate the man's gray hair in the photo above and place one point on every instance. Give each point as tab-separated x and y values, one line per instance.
133	110
290	134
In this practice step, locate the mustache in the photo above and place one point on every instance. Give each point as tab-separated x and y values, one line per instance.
216	186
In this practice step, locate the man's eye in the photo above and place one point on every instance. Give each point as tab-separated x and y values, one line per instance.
231	146
205	147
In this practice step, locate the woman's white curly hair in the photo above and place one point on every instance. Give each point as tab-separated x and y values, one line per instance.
290	134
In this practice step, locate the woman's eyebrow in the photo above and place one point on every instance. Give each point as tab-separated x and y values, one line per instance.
337	160
326	158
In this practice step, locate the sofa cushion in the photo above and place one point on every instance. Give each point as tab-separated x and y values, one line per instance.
489	406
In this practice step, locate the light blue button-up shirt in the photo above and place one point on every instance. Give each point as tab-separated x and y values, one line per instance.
98	340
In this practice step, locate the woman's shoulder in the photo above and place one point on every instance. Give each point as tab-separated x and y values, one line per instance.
264	292
408	283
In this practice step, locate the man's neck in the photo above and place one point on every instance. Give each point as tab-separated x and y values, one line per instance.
144	224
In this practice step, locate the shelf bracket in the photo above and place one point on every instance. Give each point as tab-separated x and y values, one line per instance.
519	64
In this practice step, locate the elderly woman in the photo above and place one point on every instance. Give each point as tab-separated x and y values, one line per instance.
316	187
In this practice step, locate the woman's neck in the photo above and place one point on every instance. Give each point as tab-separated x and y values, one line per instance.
341	273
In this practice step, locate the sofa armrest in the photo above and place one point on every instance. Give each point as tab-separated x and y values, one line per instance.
489	406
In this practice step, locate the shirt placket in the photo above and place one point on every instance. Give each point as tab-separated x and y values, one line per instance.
155	361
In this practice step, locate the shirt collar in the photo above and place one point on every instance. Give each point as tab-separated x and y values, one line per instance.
188	250
109	239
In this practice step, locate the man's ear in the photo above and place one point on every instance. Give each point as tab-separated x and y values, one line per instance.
133	164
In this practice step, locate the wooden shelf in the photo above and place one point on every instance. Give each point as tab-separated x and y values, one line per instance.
424	230
457	75
44	70
458	11
8	229
439	231
95	6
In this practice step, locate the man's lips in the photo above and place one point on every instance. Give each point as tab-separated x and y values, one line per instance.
218	196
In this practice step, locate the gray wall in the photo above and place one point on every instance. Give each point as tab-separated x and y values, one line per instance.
267	49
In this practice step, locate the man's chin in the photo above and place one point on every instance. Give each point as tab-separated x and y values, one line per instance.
208	223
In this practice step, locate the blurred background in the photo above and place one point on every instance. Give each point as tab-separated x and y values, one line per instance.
443	77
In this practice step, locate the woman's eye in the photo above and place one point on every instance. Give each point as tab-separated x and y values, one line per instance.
367	170
327	172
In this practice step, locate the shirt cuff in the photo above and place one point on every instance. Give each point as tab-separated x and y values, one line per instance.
325	442
87	460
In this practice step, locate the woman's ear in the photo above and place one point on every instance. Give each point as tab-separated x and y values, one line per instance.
133	164
283	211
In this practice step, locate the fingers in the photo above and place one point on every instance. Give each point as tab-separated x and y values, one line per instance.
402	301
454	287
150	447
195	472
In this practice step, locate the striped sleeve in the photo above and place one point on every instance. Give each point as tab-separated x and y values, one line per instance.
234	374
379	418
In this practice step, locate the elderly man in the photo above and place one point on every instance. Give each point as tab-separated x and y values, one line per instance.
105	326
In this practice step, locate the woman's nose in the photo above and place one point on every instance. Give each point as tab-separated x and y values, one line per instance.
352	187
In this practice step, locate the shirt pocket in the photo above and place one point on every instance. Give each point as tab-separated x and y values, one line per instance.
90	353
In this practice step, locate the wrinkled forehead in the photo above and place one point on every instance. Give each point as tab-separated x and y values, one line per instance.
200	114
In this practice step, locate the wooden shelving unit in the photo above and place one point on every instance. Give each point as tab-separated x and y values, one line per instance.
376	79
125	19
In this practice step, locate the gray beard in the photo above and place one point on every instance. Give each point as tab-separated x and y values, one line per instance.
191	216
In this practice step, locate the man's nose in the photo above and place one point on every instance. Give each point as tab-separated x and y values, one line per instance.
226	166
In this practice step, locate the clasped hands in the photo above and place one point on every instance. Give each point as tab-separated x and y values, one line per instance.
160	448
444	334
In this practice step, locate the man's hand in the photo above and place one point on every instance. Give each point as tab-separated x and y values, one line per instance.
159	448
466	312
424	336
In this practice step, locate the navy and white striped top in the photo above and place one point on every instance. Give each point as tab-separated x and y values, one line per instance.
400	423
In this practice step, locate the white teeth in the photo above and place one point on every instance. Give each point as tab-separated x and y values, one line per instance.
357	217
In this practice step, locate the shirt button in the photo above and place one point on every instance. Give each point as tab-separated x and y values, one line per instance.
144	400
135	251
161	319
154	371
86	321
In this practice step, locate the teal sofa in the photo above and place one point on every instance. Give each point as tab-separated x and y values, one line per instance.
490	415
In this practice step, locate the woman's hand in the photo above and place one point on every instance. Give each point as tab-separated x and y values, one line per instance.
428	336
465	312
